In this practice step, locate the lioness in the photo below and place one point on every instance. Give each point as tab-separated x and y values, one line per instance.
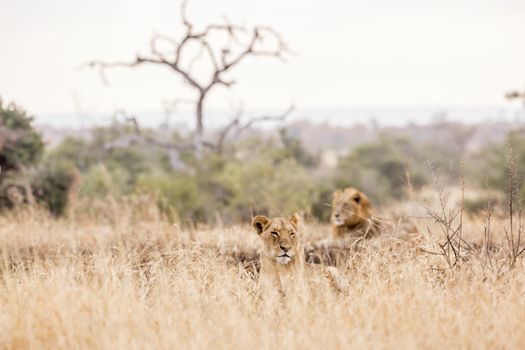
352	217
283	266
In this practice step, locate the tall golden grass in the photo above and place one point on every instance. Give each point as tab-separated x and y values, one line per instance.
133	280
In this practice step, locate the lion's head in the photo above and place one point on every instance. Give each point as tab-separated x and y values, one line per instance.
280	238
350	208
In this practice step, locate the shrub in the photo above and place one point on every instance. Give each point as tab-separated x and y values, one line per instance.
382	169
292	148
321	200
263	187
20	144
178	196
53	184
98	181
234	192
25	177
74	151
490	168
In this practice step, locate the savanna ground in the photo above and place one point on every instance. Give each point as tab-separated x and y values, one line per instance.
127	278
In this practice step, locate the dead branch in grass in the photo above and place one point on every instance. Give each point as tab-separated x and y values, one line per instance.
450	223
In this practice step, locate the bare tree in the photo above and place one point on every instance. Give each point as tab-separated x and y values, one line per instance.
222	58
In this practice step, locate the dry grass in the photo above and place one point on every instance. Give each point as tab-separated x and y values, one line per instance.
140	283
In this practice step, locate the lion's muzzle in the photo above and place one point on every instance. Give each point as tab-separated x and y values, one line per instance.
337	220
284	257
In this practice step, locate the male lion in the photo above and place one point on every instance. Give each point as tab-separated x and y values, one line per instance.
352	217
283	266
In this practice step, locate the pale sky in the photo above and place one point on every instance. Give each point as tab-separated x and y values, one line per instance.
364	53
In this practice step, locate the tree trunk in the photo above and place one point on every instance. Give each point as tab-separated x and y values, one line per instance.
199	127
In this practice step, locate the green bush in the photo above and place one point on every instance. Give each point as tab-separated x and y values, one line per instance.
52	184
20	144
178	196
382	169
25	178
263	187
74	151
489	167
321	200
259	177
292	148
100	182
234	192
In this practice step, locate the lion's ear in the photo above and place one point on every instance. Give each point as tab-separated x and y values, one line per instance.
365	202
295	219
260	223
337	193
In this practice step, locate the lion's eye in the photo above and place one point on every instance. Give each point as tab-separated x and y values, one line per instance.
275	234
357	199
292	234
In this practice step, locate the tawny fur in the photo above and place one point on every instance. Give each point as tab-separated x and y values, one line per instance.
352	217
283	266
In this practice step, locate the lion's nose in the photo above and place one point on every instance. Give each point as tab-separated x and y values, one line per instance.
336	215
284	249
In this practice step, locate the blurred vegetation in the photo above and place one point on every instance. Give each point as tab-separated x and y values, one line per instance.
25	178
270	173
20	144
256	174
491	166
388	167
53	185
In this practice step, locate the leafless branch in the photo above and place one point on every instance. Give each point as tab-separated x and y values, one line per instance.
264	118
224	132
172	149
239	126
450	222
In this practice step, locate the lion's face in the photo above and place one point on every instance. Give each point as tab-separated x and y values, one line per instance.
349	207
280	237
